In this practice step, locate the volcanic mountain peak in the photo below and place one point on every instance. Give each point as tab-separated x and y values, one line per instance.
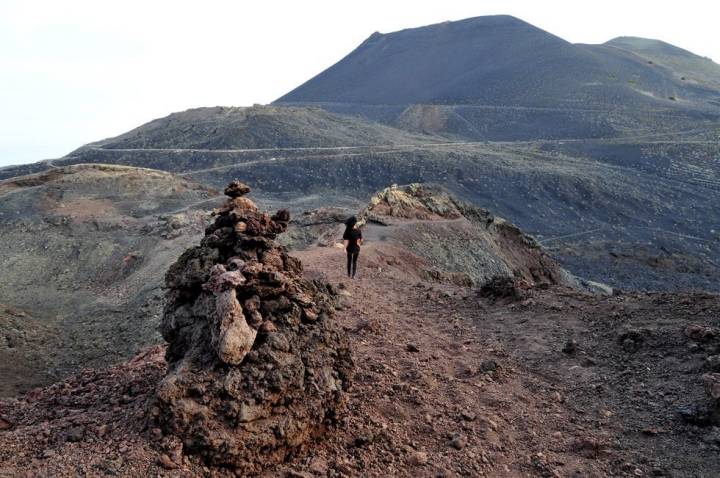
481	24
435	63
499	61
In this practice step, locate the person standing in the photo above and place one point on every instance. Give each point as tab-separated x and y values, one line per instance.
352	239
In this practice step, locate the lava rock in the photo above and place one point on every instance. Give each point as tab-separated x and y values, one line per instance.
5	424
361	441
712	362
695	414
488	366
500	287
166	462
631	340
468	415
700	333
418	458
236	189
712	384
75	434
570	347
589	447
458	441
256	365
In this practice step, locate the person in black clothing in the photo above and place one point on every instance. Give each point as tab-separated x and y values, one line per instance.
352	239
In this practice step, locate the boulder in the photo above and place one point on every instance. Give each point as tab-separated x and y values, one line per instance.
236	189
500	288
257	368
700	333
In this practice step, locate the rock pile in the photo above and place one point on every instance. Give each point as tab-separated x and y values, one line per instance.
256	366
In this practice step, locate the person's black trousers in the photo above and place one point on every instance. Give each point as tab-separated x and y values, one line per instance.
352	258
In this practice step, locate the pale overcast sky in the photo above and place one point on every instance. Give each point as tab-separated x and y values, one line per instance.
72	72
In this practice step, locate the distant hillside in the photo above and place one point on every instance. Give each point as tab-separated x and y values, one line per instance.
500	78
496	60
636	213
684	65
254	127
83	250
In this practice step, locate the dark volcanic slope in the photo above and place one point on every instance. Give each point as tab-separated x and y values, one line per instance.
83	250
255	127
641	213
496	60
686	66
648	223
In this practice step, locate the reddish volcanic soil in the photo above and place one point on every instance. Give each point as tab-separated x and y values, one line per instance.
555	383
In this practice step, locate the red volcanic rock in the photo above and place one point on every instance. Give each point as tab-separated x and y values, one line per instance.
236	189
256	365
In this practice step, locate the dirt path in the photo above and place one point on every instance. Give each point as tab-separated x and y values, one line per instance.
431	397
451	385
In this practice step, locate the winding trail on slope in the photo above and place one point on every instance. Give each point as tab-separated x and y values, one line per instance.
419	145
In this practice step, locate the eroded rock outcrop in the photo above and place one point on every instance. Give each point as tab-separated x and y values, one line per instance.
257	367
412	201
465	240
461	237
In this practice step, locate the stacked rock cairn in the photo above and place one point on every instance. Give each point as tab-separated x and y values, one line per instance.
257	367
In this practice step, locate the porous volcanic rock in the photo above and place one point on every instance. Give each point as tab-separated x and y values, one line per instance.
256	366
412	201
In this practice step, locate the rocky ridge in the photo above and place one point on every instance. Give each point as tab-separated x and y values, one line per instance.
463	239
